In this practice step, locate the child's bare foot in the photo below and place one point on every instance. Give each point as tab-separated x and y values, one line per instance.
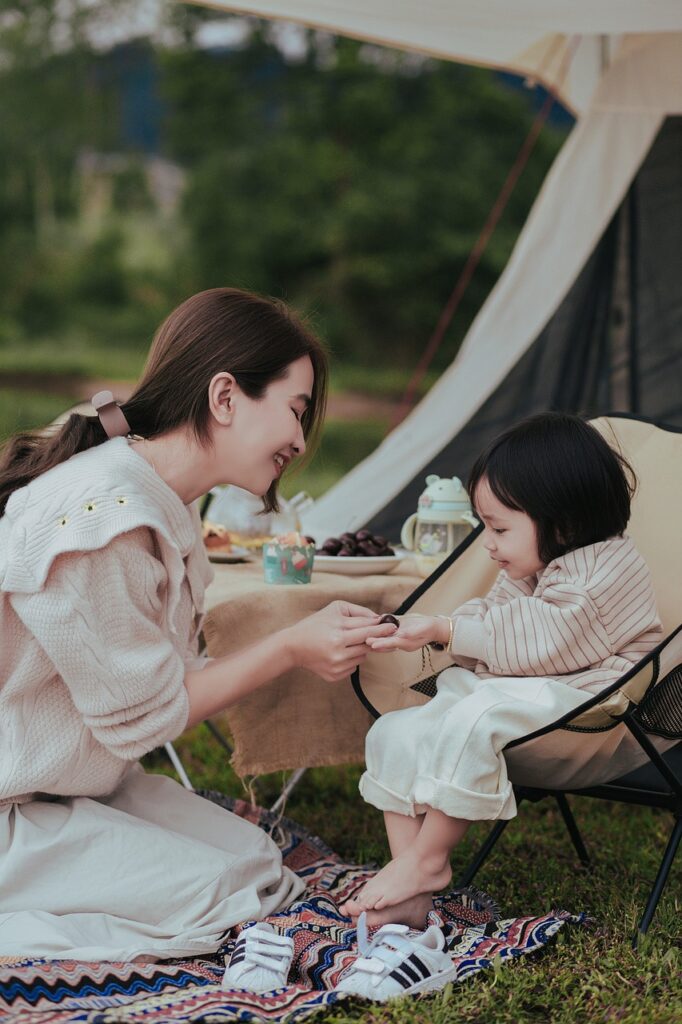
411	912
403	878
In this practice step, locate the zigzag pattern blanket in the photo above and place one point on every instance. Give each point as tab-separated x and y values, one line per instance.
66	992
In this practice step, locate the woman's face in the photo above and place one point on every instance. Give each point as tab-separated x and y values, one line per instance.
510	537
263	435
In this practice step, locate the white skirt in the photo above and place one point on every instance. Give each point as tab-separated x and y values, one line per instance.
447	754
150	872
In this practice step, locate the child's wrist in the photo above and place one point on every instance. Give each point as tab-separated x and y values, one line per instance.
443	628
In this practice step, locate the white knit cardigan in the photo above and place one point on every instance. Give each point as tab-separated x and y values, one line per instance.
102	581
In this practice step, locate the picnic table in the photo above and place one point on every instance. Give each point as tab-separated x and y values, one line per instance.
298	720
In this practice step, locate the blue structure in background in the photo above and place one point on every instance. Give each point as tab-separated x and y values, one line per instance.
132	71
559	116
141	107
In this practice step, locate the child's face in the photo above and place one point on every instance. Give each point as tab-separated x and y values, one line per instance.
510	537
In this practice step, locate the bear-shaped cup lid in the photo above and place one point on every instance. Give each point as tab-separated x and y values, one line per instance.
445	497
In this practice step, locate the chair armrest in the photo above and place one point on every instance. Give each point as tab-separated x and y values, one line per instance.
606	709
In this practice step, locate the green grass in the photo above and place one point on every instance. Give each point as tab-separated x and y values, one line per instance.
94	350
74	355
387	381
343	445
24	410
589	974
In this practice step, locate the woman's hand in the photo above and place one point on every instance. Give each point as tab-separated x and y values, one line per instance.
334	641
412	633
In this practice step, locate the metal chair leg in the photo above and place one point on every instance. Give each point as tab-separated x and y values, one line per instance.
483	853
291	782
573	832
179	767
659	884
217	735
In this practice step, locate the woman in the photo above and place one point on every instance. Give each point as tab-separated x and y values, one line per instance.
102	580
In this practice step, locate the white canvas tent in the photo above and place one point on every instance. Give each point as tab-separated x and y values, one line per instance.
532	346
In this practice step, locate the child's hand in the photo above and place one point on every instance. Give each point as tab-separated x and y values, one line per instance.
412	633
333	641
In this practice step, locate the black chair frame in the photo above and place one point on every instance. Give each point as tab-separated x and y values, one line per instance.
657	784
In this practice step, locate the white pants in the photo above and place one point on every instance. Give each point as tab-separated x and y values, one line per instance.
447	754
152	871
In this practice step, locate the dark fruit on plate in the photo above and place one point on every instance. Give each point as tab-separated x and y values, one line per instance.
361	544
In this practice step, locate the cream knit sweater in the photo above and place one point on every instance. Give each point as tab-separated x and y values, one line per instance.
102	580
587	618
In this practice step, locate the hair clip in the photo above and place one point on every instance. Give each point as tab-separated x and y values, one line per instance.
110	414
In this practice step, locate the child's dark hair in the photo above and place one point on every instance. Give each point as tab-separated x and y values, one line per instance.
560	471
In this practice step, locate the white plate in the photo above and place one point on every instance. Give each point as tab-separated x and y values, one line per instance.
235	555
351	565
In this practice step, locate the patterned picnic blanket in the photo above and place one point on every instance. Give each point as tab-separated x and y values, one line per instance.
66	991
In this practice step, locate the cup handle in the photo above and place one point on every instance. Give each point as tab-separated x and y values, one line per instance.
407	532
470	518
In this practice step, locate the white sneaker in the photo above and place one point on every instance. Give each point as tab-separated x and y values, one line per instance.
396	964
260	961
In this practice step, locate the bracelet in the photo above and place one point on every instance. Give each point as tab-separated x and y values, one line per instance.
436	644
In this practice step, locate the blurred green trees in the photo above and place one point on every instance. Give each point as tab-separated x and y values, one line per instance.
352	182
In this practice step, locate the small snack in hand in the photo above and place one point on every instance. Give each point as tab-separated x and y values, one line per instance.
393	619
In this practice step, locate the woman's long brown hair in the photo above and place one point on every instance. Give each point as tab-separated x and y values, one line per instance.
254	338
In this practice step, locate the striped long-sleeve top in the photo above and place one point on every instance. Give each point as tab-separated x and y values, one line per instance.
587	618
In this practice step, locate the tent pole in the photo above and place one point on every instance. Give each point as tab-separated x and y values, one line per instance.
620	386
633	319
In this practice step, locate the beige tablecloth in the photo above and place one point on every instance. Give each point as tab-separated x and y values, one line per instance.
298	720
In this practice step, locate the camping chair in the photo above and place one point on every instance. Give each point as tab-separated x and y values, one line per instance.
647	699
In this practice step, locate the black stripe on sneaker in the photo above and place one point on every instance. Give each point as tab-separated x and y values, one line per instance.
398	976
423	970
237	957
409	971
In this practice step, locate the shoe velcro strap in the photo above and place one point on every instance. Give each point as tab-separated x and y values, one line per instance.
272	963
260	951
368	966
388	953
257	934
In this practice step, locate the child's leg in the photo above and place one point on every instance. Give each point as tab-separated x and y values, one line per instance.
422	867
402	831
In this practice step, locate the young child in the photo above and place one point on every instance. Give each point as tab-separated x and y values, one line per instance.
571	610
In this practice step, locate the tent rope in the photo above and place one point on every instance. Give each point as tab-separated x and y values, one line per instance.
452	304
